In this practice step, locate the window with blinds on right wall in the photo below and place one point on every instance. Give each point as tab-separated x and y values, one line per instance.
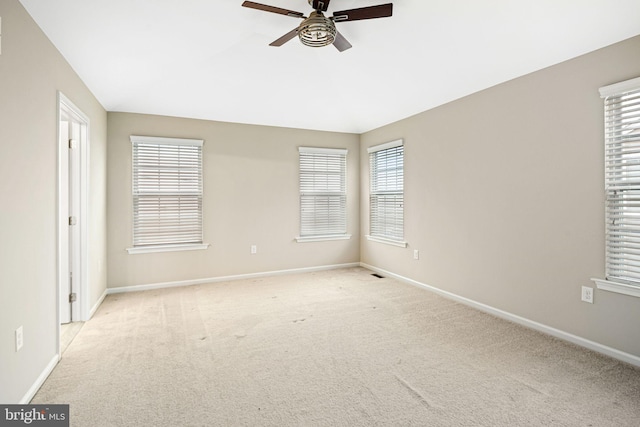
386	193
622	187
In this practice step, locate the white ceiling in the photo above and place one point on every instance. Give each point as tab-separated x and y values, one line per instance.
210	59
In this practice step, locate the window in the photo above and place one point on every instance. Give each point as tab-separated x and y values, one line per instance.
167	194
386	195
622	187
323	194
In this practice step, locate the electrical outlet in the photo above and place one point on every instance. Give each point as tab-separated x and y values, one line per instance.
254	249
416	254
19	340
587	294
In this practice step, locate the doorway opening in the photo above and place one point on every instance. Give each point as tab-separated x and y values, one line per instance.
73	155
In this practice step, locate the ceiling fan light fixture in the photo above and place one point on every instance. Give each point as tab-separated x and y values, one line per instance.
317	30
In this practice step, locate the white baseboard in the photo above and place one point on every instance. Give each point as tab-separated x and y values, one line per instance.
147	287
97	304
40	380
566	336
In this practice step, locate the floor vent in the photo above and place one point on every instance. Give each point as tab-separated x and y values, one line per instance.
377	275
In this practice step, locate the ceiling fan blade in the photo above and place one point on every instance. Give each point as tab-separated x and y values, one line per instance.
322	5
273	9
341	43
379	11
282	40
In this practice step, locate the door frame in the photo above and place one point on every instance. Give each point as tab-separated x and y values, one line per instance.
81	312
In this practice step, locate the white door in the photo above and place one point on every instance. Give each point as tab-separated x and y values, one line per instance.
74	216
65	285
71	139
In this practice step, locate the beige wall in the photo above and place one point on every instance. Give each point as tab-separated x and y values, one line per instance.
251	197
504	198
31	73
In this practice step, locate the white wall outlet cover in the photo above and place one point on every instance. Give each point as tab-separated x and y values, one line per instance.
587	294
19	338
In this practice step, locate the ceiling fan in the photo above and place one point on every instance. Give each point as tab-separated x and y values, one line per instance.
317	30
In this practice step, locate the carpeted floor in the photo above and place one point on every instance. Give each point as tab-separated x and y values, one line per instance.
331	348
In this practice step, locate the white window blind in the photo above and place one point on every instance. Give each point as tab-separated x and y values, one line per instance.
622	181
323	192
167	191
386	196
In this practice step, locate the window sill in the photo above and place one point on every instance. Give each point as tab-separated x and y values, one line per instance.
617	287
306	239
167	248
388	241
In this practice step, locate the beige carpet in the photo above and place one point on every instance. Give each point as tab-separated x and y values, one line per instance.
332	348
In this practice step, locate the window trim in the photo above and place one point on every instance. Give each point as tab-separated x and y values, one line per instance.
616	285
167	248
322	237
173	247
619	88
399	243
378	238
